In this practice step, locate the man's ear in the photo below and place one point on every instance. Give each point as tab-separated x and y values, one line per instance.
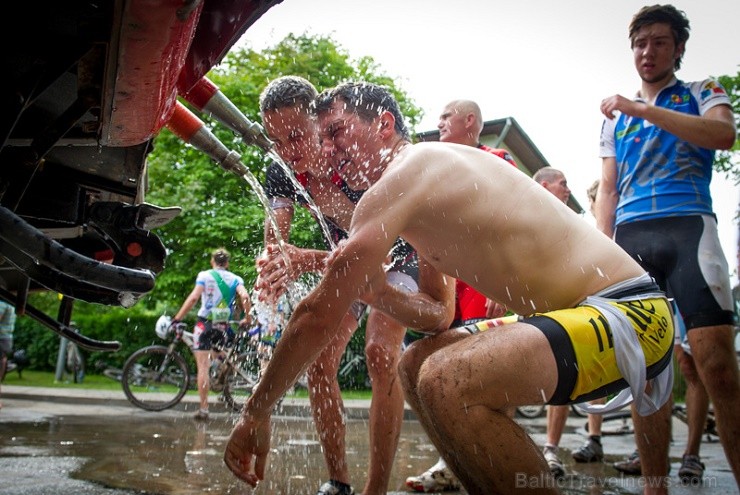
387	124
679	50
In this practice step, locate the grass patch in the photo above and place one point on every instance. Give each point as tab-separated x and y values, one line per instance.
31	378
101	382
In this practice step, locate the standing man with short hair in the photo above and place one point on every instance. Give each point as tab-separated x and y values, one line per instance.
554	181
657	152
220	292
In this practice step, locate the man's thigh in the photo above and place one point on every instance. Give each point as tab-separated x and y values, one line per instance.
685	257
509	365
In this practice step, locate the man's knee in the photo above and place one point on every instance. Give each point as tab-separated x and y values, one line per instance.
382	357
408	369
321	372
438	383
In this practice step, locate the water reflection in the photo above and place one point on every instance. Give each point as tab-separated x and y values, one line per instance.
153	453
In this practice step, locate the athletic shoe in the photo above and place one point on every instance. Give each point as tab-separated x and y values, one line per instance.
591	451
692	469
631	465
334	487
553	461
201	415
435	479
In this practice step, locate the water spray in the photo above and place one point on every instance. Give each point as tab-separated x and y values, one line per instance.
208	98
188	127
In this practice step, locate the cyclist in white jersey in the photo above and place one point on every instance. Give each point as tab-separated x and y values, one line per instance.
217	291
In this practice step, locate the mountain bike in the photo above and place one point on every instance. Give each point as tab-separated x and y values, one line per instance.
157	377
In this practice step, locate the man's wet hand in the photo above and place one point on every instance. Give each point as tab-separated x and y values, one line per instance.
247	449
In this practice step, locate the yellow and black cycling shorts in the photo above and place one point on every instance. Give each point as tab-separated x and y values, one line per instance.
582	343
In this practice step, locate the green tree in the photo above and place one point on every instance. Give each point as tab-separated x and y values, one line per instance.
728	161
219	209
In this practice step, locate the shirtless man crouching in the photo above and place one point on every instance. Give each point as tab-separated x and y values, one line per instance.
470	215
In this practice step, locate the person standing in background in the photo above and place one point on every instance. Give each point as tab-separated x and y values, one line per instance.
220	292
654	199
7	327
555	182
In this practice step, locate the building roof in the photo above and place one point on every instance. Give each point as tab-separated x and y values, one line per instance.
508	134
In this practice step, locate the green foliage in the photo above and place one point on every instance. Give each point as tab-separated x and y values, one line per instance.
132	328
218	208
728	161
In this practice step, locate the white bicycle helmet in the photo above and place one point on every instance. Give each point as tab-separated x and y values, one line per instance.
162	328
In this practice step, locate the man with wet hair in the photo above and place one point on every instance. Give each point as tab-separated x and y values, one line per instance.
285	105
654	199
462	209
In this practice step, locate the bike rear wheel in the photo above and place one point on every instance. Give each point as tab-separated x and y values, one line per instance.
155	379
241	376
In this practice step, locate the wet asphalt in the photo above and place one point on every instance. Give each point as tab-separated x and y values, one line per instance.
67	441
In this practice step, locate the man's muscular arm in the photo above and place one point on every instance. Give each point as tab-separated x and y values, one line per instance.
714	130
607	197
430	310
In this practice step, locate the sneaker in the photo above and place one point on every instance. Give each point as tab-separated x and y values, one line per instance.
435	479
201	415
692	469
334	487
631	465
591	451
553	461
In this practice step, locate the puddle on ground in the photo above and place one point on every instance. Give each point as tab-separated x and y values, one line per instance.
170	454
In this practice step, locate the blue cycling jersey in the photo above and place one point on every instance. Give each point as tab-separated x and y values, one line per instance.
658	174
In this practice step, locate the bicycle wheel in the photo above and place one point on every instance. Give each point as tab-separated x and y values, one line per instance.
240	377
532	411
154	379
113	374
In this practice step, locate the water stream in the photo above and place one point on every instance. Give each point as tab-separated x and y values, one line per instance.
302	191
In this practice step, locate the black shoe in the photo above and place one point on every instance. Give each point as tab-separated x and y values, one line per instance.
631	465
334	487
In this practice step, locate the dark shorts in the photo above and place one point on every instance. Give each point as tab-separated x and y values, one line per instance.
206	337
684	256
6	347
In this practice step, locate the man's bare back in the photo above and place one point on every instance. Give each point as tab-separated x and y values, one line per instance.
477	228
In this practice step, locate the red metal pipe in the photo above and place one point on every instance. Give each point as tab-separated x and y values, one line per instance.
207	97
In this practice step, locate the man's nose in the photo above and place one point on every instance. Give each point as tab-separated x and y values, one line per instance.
327	147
